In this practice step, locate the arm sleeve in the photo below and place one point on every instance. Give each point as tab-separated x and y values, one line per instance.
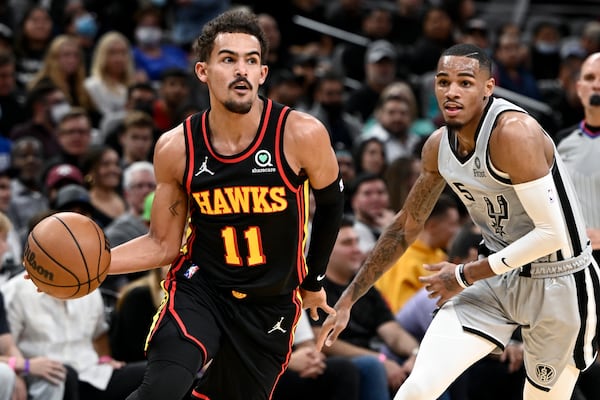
329	203
540	201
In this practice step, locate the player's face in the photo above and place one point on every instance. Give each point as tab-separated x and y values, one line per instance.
589	79
233	71
461	90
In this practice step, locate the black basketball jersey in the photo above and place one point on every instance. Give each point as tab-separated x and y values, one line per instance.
248	211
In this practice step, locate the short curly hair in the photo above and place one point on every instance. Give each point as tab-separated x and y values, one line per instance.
232	21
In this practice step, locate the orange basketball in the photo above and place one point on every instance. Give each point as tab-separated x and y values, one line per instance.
67	255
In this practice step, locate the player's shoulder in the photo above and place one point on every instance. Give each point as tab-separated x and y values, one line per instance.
302	126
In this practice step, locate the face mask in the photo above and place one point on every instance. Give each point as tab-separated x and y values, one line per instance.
57	111
148	35
546	47
85	25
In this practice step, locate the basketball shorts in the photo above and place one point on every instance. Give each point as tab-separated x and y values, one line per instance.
247	341
558	318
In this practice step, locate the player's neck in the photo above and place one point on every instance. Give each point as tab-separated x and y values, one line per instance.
231	133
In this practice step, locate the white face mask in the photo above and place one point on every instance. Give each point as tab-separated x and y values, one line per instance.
59	110
148	35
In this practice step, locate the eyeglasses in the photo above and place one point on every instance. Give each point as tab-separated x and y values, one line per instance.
143	185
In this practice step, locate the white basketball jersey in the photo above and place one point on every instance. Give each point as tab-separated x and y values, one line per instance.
489	195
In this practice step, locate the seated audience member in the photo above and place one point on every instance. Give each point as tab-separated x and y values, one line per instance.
58	176
312	375
74	332
10	263
371	321
173	95
137	138
401	282
102	176
370	157
38	378
369	200
132	317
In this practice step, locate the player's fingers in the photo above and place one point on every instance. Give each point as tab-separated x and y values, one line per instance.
432	267
314	315
323	333
328	309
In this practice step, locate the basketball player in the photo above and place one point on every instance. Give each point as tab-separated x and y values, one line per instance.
535	269
240	171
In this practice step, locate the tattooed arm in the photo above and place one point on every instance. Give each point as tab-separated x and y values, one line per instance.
393	241
169	212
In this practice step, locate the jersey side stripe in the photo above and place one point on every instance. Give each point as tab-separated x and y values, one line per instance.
575	240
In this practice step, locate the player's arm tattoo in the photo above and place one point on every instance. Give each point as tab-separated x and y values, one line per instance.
173	208
393	242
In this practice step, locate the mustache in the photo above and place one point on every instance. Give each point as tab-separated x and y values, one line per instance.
240	79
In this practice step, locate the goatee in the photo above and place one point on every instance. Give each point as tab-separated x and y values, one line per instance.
238	108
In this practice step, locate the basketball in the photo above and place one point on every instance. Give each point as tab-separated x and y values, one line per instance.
66	255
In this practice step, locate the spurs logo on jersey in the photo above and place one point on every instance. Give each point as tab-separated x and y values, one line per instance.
497	216
241	199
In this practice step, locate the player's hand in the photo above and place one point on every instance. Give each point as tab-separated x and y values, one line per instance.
334	324
312	301
513	354
442	284
51	370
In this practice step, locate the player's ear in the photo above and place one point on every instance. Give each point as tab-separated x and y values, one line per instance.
200	69
264	71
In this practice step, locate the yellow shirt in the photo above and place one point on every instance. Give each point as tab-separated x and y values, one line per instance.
401	281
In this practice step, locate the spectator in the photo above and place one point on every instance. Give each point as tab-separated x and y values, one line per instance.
74	134
544	51
11	99
189	18
328	107
73	198
73	332
46	104
369	200
312	375
136	306
371	321
81	24
9	262
380	71
394	119
140	97
33	38
138	183
398	284
437	35
137	138
27	197
399	177
510	70
284	87
345	14
45	377
59	176
102	175
174	94
112	72
64	67
278	55
370	157
152	56
407	22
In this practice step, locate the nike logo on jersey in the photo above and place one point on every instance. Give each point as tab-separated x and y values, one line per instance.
320	277
504	262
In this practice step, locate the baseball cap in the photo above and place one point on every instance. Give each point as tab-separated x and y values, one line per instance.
476	24
63	172
379	50
72	195
148	206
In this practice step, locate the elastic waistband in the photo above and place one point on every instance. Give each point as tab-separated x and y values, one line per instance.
558	268
540	270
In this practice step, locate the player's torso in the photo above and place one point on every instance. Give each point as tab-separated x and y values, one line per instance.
247	211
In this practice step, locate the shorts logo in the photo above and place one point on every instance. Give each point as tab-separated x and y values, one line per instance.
191	271
277	327
545	373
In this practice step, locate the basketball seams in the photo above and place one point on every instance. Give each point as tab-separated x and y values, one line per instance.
102	243
85	263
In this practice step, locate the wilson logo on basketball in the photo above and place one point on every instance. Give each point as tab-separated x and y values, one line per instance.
29	257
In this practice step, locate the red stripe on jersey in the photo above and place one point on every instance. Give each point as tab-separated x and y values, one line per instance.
190	149
301	261
257	141
278	153
296	300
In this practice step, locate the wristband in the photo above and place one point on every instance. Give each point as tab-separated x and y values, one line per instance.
104	359
26	366
12	363
382	357
459	273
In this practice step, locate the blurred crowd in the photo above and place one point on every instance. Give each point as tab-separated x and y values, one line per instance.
87	87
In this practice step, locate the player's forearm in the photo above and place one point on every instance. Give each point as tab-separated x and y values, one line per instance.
141	254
